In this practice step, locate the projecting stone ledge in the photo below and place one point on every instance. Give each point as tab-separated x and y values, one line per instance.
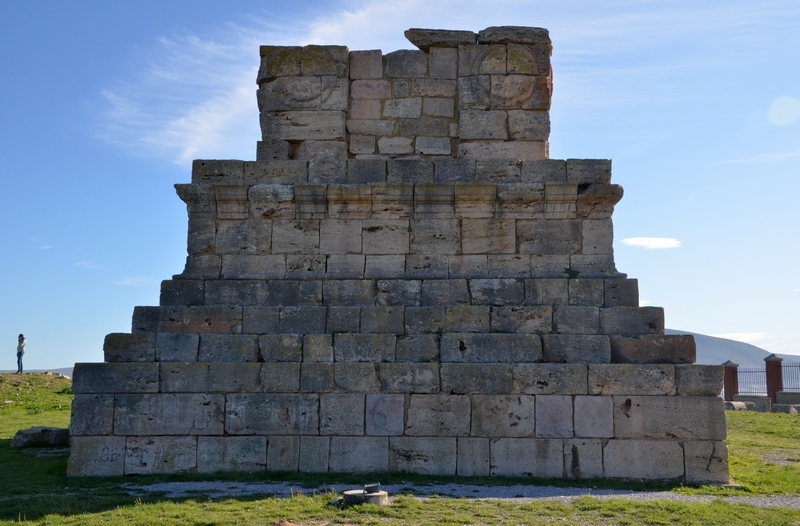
514	35
428	38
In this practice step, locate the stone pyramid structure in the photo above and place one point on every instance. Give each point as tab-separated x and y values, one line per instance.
402	281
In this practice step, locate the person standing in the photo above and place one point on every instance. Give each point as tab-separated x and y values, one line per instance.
21	343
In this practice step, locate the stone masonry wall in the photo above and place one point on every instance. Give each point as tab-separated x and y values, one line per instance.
403	281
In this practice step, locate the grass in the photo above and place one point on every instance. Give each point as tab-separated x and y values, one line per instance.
764	459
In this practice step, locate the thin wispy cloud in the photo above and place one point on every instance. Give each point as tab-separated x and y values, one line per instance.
91	265
652	242
134	281
43	245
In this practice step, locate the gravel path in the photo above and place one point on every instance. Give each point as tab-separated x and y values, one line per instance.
518	493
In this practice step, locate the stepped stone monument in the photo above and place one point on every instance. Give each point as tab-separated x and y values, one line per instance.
402	281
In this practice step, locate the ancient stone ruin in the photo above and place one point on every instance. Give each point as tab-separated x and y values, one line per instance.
402	281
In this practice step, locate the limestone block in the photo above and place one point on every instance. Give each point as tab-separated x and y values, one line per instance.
290	93
527	457
92	414
473	457
195	319
385	236
271	414
598	236
122	347
583	458
343	319
520	200
511	150
524	320
268	201
366	64
228	348
350	293
169	414
316	377
496	291
333	152
661	417
312	199
278	61
182	292
201	236
424	320
324	60
215	454
706	461
699	380
452	170
631	379
360	171
417	348
361	144
643	459
392	201
91	378
527	125
145	319
236	292
351	201
359	455
345	266
235	266
576	348
337	236
546	292
526	59
243	237
475	200
438	106
427	38
286	293
405	64
594	416
468	378
434	200
94	456
444	292
408	108
474	92
399	292
364	347
497	170
273	150
542	236
410	171
521	92
314	454
549	378
217	172
544	171
576	320
621	292
554	416
383	320
279	377
653	348
435	236
199	199
428	455
494	236
503	416
514	34
467	318
593	265
341	414
356	377
408	378
149	455
482	124
488	348
596	201
193	377
509	265
583	171
481	60
280	347
589	291
758	403
632	321
438	415
379	127
317	348
469	266
384	414
432	146
303	125
426	266
296	237
305	267
283	453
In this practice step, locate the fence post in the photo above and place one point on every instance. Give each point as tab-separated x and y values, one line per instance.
731	380
774	376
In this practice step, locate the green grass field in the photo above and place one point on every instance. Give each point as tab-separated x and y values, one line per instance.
764	460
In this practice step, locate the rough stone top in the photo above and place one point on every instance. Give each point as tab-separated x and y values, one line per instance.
428	38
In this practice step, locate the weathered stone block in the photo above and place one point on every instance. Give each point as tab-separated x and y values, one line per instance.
428	455
496	291
280	347
290	293
149	455
359	454
594	416
350	293
435	236
271	183
121	347
385	236
236	292
316	377
583	171
482	124
438	415
418	348
487	348
473	457
364	348
706	461
314	454
227	172
193	377
182	292
271	414
546	292
239	266
91	378
424	320
549	266
468	378
426	266
469	266
520	200
279	377
92	415
273	150
201	239
653	348
528	125
576	348
525	320
303	125
299	320
554	416
345	266
630	379
361	171
337	236
621	292
392	201
356	377
317	348
643	459
521	92
467	318
283	453
497	170
503	416
228	348
366	64
514	34
583	458
296	237
257	320
632	321
405	64
343	319
324	60
527	457
215	454
588	291
169	414
451	170
669	417
493	236
385	414
576	320
341	414
93	456
408	378
699	380
543	237
443	62
444	292
434	201
549	378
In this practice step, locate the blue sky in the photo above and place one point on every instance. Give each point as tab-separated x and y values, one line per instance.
105	104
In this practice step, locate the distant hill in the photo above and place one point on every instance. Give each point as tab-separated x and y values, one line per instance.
715	351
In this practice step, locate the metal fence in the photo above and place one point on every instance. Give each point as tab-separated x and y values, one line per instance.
791	376
753	381
774	377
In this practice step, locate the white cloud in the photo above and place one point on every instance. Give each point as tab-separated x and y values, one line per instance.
784	111
747	337
134	281
652	242
43	245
